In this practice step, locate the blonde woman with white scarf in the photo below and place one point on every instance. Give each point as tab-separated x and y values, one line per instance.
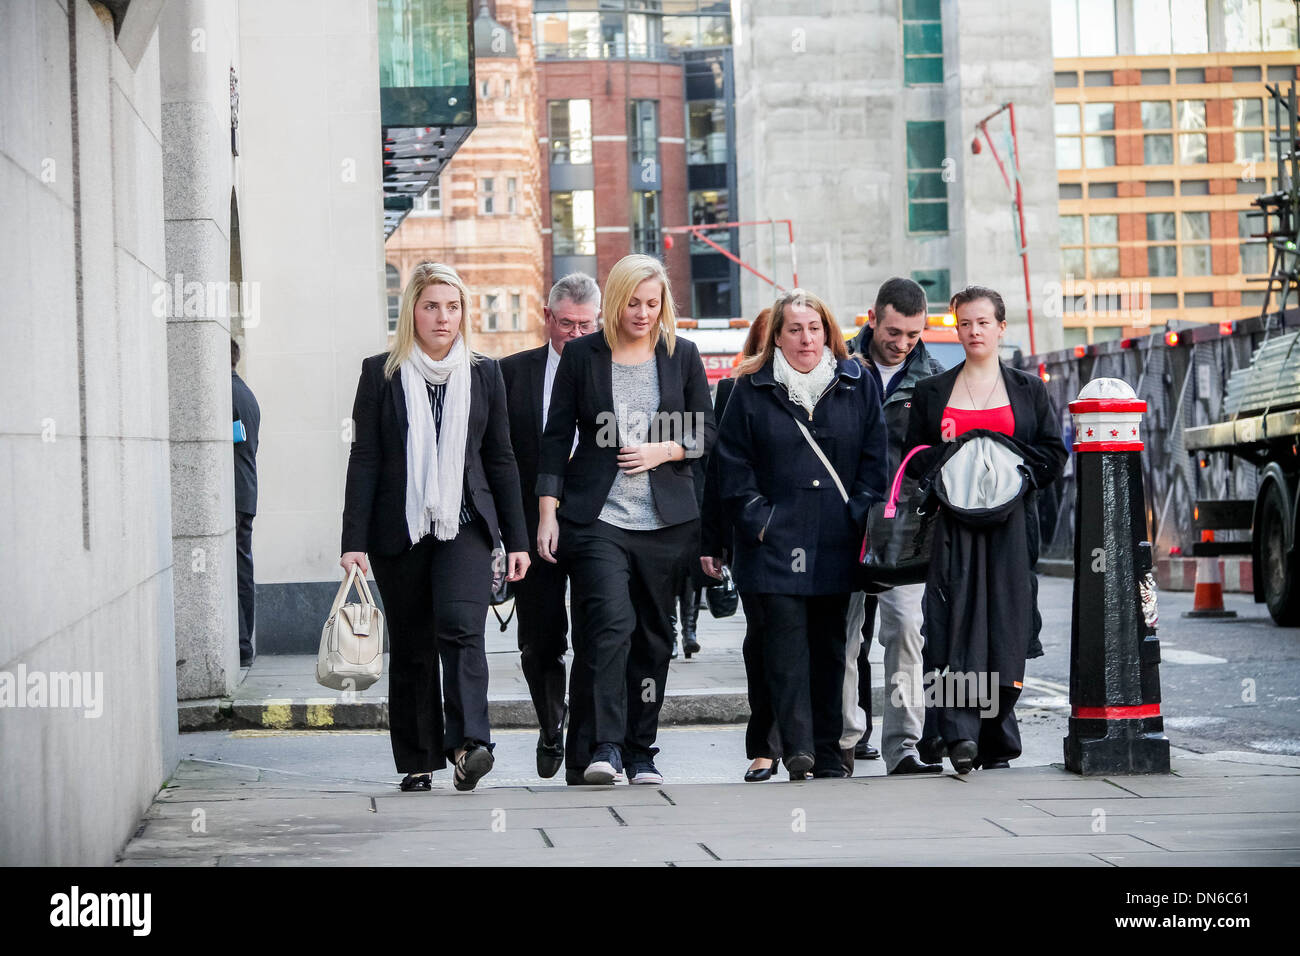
801	457
431	487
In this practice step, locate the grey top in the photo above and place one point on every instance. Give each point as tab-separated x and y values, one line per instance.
631	503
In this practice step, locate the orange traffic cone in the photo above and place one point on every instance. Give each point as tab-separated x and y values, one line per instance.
1207	600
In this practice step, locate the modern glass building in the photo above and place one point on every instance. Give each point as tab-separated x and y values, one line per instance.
426	94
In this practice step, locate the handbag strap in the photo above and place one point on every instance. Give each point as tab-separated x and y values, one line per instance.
822	455
363	590
891	506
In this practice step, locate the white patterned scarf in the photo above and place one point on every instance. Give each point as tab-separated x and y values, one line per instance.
804	388
435	469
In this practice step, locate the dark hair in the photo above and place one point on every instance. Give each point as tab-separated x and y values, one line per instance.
754	340
906	296
973	293
234	353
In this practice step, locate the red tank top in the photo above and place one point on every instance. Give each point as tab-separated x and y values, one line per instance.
999	419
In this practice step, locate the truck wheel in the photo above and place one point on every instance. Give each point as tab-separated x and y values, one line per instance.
1281	589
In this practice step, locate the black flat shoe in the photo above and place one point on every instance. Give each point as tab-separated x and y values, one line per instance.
962	754
830	773
416	781
864	751
550	758
996	765
761	774
910	764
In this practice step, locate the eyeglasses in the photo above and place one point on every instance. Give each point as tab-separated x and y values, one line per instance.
584	327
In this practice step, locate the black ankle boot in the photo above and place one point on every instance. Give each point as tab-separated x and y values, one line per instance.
690	614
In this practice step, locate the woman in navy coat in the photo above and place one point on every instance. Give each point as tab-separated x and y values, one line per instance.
798	525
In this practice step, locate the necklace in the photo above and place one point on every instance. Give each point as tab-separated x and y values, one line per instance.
987	398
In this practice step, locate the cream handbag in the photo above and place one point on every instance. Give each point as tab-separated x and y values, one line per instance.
352	642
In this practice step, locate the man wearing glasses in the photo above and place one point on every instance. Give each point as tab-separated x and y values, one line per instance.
572	309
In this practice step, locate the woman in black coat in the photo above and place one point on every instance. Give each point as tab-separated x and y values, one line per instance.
762	738
798	524
981	613
622	506
431	487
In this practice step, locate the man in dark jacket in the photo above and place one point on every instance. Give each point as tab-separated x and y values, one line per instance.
890	347
247	418
572	310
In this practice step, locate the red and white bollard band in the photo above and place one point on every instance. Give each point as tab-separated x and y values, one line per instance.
1107	417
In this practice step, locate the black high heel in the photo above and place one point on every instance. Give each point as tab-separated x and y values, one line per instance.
761	774
416	781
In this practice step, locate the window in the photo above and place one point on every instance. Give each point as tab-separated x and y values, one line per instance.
506	90
927	192
487	196
516	311
1169	26
512	195
1191	146
430	201
1099	150
1254	252
645	223
1069	153
1196	225
485	89
1157	147
712	299
1083	28
1250	140
491	312
937	284
643	138
573	223
922	43
1162	260
1196	261
706	132
1103	259
1160	227
393	283
1072	261
571	35
709	205
570	132
1251	25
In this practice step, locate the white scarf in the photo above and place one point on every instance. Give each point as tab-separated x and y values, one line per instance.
435	470
804	388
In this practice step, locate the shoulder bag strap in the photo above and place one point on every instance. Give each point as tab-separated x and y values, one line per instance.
822	455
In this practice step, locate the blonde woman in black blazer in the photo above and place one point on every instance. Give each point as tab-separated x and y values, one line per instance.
638	399
431	487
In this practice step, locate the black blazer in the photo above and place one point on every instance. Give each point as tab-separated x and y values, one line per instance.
583	399
1037	429
525	378
374	502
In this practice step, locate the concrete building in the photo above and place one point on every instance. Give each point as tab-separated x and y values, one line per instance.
174	174
1161	144
483	213
854	119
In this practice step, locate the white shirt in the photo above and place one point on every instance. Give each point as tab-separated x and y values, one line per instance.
548	382
887	372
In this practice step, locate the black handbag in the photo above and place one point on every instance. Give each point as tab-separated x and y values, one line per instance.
502	590
896	546
722	598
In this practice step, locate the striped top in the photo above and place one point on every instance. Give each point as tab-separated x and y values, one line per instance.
437	394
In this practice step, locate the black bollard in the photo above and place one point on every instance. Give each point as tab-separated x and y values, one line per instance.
1115	720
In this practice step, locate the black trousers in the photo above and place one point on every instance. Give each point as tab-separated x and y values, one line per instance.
762	738
803	650
244	567
997	735
543	640
864	665
435	603
622	591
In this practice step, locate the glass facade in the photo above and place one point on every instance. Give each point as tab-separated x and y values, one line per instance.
573	223
927	193
628	29
922	43
570	131
425	62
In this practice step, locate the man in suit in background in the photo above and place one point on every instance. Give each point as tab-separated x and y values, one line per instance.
572	309
247	418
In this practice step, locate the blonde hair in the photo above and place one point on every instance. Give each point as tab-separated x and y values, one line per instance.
834	338
620	285
425	274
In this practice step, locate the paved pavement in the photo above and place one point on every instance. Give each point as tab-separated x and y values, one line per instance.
1210	812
